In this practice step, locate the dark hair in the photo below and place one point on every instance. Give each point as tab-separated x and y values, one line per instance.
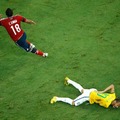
9	12
117	99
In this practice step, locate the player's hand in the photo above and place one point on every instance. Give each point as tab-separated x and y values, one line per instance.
30	21
33	22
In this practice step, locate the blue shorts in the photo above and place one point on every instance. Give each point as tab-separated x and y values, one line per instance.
22	43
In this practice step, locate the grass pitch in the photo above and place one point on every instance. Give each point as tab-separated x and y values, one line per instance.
83	41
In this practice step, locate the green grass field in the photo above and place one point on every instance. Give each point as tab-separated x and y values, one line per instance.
82	38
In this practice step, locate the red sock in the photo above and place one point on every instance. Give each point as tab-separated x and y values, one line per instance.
38	52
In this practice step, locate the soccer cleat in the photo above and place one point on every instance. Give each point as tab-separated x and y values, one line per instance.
45	54
53	100
66	81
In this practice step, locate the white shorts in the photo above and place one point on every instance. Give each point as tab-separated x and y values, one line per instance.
84	96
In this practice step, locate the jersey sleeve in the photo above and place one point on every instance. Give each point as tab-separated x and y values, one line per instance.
23	19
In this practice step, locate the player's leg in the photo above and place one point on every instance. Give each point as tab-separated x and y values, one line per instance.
81	99
84	97
76	85
29	47
61	99
36	51
28	42
23	43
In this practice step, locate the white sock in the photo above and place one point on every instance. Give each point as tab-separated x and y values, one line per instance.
76	85
65	100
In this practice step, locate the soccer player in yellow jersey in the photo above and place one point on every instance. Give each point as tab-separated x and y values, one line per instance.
103	98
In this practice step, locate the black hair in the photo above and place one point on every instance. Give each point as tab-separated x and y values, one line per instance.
117	99
9	12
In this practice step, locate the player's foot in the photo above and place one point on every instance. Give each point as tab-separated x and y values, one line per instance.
45	54
66	81
53	100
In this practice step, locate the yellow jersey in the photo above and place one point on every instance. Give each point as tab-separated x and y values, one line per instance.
103	99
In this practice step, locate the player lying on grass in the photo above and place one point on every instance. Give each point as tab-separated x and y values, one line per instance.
13	26
92	95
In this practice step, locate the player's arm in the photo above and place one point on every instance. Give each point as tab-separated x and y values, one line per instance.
29	21
109	88
23	19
